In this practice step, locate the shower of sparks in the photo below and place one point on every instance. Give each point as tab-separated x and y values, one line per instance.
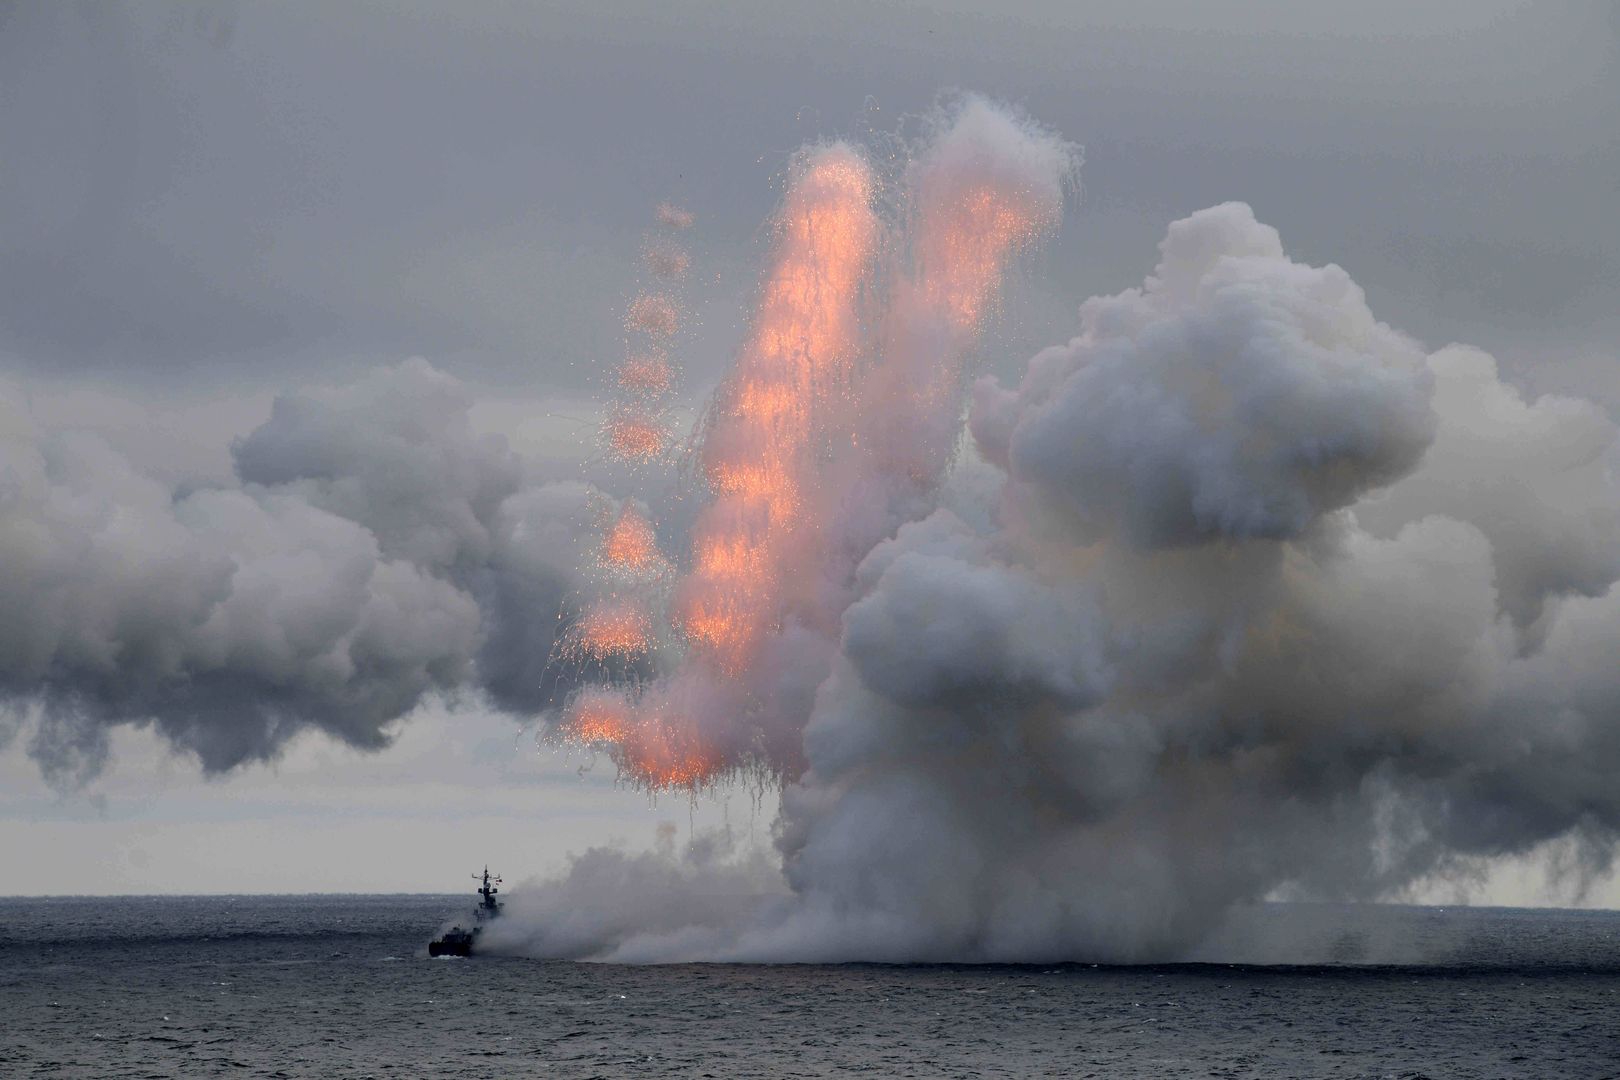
673	217
646	374
829	399
598	715
615	627
669	745
630	547
660	758
665	260
654	314
636	434
799	355
967	238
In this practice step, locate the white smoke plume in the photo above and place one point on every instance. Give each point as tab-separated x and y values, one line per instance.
375	550
1246	595
1238	593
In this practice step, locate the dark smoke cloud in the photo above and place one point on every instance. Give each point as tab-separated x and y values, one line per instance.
376	550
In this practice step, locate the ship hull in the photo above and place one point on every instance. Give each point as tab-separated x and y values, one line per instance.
455	943
458	940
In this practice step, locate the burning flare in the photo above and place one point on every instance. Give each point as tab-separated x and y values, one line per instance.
630	546
597	715
665	260
634	434
645	374
653	314
614	627
801	433
794	366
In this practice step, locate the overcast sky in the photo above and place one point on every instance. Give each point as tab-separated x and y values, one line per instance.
201	206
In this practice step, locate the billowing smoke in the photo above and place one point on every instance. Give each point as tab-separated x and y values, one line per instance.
1240	593
376	550
1179	671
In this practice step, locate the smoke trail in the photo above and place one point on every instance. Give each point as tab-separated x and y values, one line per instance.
793	371
988	185
618	630
687	729
984	186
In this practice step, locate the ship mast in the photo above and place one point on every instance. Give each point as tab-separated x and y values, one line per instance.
488	906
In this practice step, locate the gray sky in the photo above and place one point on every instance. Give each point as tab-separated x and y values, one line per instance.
202	206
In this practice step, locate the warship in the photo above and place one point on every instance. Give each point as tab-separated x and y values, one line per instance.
459	941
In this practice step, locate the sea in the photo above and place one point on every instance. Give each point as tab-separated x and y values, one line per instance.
342	986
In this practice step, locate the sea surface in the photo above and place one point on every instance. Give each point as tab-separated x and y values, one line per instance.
329	986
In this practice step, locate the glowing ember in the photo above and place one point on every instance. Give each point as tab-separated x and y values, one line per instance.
673	216
666	261
666	747
645	374
614	628
804	339
636	436
659	760
823	411
966	231
967	239
654	314
630	545
598	715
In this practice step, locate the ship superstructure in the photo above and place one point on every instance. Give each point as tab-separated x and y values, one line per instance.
459	941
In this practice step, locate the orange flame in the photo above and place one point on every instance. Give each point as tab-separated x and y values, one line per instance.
647	374
614	627
666	747
654	742
635	435
967	231
598	715
630	545
797	360
788	397
659	758
968	236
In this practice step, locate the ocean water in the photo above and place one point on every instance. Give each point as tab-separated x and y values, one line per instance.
342	987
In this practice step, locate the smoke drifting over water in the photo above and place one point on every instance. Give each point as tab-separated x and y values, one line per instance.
1238	592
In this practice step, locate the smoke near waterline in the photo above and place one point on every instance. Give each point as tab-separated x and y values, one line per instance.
1241	592
1238	592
